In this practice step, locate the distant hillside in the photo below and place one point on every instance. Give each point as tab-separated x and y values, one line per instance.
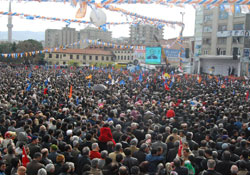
23	35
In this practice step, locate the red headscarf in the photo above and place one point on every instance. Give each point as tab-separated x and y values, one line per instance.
106	135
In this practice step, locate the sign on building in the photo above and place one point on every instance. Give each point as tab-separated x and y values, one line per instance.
139	54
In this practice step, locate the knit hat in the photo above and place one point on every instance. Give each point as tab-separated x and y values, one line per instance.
54	147
175	130
60	158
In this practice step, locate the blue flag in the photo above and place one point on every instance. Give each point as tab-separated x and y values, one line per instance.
130	78
122	82
171	84
140	77
30	74
147	86
89	84
46	82
234	92
77	101
29	87
121	69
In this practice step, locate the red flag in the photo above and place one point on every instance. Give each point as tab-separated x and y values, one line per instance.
45	91
25	159
223	86
70	91
180	149
166	87
247	95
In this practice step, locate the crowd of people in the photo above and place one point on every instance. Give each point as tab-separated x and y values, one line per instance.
144	122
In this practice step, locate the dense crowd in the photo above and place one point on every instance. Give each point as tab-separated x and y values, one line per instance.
53	122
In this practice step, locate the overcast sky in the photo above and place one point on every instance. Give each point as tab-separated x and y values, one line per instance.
61	10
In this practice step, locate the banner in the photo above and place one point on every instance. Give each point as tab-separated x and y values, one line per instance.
139	54
153	55
173	53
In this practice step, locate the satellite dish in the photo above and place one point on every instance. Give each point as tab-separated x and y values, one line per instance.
98	17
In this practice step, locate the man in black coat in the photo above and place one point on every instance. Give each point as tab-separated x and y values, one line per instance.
141	154
178	168
171	154
83	160
225	165
34	165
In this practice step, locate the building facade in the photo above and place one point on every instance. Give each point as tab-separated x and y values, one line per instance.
224	33
225	36
87	56
145	35
123	55
68	36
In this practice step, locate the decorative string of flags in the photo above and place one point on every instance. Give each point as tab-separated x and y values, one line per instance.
145	18
90	42
33	17
174	2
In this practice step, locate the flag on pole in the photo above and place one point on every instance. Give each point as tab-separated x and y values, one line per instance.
140	77
247	95
70	92
180	149
25	159
166	86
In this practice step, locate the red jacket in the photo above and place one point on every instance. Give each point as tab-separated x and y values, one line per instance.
106	135
170	113
94	154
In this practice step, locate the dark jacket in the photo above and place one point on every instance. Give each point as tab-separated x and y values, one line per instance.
33	167
82	160
224	167
140	156
171	154
33	149
52	156
181	170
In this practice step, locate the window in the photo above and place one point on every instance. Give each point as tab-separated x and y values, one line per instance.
64	55
132	57
107	58
125	58
57	55
84	57
222	27
238	27
223	15
61	56
64	63
222	40
206	40
221	51
71	57
50	55
118	57
90	57
102	58
121	57
77	57
128	57
96	58
237	40
207	18
207	29
205	52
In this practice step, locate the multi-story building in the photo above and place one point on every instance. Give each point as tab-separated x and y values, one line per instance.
225	40
223	33
57	38
69	36
94	34
87	56
146	35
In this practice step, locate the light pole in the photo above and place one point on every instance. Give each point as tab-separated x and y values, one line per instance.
181	33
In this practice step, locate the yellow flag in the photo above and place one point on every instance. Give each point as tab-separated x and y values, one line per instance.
167	75
110	77
88	77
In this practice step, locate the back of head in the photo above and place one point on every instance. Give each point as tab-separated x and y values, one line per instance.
118	147
226	155
85	151
42	171
127	152
177	162
234	169
211	163
123	170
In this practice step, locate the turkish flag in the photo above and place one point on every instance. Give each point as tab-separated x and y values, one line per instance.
25	159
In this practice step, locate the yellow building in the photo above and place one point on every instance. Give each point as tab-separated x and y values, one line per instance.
85	56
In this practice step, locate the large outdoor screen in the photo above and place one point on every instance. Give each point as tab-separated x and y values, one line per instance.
153	55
